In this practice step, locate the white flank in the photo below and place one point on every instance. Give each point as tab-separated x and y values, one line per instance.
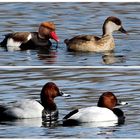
13	45
29	37
25	109
94	114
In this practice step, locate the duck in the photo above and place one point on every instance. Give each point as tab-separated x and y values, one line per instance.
105	111
91	43
31	40
29	108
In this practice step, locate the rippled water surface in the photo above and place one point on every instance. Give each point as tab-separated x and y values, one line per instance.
72	19
84	86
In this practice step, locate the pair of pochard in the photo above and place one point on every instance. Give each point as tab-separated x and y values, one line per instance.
47	109
46	31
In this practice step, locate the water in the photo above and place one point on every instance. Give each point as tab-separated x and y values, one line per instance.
84	86
72	19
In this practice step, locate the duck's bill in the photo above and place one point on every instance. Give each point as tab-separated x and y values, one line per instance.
64	94
122	103
123	30
54	36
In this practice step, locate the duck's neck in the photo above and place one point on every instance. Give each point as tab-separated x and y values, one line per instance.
49	105
107	29
43	37
106	32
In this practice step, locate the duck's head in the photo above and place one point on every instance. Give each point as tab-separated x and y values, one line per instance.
109	100
49	91
47	31
113	24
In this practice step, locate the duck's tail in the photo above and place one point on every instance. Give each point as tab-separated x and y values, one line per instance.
4	41
2	108
66	41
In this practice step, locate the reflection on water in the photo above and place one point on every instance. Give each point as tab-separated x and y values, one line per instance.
111	58
71	19
35	122
85	86
50	56
101	124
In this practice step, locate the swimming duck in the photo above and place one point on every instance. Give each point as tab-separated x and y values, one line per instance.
29	108
104	111
31	40
91	43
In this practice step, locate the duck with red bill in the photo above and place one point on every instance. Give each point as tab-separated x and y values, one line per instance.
31	40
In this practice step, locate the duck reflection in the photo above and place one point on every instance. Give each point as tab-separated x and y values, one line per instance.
103	124
49	123
111	58
48	55
34	122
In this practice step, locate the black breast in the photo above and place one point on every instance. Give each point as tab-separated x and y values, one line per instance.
35	43
119	113
48	115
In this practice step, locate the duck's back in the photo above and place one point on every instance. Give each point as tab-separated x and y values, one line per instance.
94	114
82	42
23	109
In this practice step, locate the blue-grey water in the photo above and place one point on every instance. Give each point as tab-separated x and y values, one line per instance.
72	19
85	86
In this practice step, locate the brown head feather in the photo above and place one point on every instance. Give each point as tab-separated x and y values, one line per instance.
49	25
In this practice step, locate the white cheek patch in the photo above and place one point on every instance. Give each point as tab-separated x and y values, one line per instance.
13	45
110	27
